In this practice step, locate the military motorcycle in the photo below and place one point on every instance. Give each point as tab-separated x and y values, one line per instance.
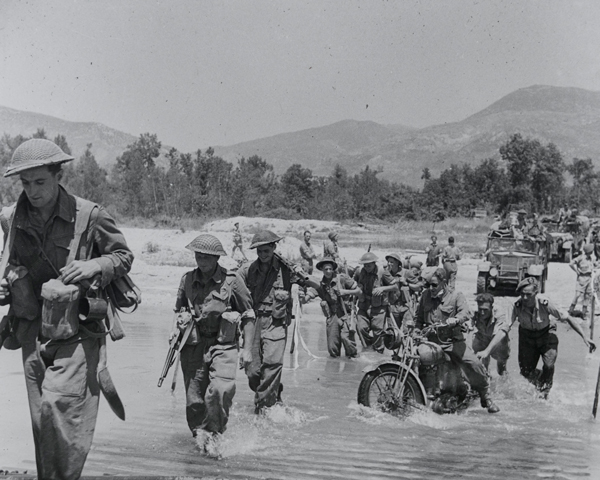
398	385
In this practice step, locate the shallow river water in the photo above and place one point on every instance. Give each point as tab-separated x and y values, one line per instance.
322	432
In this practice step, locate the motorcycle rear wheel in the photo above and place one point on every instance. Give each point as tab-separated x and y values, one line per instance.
377	389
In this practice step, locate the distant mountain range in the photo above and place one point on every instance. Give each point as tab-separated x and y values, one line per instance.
568	117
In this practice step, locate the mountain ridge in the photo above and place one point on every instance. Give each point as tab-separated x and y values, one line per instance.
569	117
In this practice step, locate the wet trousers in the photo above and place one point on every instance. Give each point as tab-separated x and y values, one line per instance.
462	356
63	393
373	321
533	345
500	353
338	334
264	373
209	372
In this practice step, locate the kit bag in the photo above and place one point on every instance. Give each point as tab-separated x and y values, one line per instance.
124	294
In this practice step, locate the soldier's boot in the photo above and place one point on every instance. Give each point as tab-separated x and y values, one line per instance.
501	368
487	402
572	309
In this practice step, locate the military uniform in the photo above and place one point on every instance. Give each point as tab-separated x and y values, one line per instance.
537	338
485	330
434	311
238	243
272	303
338	320
450	256
60	375
584	284
399	306
308	255
433	252
209	359
330	249
372	308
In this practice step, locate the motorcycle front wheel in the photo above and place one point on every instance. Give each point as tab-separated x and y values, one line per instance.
379	389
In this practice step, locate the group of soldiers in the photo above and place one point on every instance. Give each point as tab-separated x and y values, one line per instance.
250	307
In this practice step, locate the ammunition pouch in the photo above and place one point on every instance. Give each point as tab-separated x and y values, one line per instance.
22	296
281	300
228	327
60	310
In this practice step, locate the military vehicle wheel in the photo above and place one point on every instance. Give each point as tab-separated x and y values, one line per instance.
378	389
481	283
568	255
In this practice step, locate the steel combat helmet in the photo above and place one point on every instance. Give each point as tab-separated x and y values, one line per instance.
34	153
325	261
264	237
368	257
207	244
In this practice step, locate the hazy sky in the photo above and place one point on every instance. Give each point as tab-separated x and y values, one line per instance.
200	73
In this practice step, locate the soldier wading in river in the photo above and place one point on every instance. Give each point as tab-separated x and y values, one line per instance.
270	282
537	334
61	354
219	304
335	290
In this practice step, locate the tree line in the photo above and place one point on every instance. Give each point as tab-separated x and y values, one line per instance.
529	175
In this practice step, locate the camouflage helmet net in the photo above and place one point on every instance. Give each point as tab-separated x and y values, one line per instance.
35	153
207	244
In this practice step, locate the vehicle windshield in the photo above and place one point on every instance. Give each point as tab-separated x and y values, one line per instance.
512	245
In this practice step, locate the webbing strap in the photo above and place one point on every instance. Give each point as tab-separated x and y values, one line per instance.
9	212
82	220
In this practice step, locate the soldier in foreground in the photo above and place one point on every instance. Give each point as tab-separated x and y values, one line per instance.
537	334
237	241
60	354
335	290
270	281
449	310
307	253
491	333
219	305
375	283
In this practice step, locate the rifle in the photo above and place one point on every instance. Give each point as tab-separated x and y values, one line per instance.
353	325
291	266
175	346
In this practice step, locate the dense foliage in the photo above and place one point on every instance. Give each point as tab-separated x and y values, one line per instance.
529	175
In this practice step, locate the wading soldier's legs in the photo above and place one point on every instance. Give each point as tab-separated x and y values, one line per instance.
70	394
348	338
221	389
333	336
264	374
363	324
195	379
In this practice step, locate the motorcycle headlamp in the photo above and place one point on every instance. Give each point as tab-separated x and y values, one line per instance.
392	339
